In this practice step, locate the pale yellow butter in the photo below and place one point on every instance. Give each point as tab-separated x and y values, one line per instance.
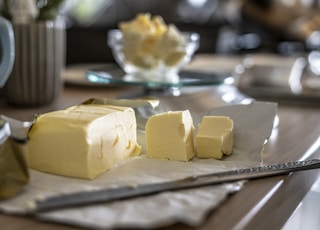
149	42
82	141
214	137
170	136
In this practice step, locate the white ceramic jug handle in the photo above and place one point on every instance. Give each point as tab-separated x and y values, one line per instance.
8	50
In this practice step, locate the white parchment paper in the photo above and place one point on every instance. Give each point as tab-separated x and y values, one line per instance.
253	124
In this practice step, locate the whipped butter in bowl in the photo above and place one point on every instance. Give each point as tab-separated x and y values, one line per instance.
148	48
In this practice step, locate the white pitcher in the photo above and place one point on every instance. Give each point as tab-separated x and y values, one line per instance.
8	50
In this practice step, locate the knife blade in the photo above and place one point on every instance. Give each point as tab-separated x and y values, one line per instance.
106	195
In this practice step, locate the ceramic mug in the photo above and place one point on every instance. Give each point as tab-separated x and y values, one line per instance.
8	50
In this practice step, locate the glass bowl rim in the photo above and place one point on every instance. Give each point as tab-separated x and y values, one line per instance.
116	35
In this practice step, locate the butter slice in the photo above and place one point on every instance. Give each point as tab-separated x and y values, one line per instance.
214	137
170	136
82	141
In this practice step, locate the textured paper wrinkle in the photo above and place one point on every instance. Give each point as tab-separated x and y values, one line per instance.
187	206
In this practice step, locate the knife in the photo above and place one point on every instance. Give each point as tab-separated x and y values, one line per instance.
107	195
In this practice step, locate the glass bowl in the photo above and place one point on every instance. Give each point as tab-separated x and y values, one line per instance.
150	58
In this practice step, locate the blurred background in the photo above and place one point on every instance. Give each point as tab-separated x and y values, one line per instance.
285	27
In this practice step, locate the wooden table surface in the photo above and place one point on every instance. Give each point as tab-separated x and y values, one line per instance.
261	204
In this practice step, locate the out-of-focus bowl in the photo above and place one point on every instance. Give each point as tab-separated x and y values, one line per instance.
154	58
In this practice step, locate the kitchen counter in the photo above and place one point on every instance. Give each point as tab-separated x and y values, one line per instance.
260	204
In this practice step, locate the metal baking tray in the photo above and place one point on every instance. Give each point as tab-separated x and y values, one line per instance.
279	78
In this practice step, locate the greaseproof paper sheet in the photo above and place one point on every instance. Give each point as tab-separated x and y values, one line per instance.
253	125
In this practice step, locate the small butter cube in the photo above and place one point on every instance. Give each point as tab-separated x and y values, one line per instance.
82	141
214	137
170	136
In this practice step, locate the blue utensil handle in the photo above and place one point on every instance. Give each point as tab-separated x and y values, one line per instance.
8	50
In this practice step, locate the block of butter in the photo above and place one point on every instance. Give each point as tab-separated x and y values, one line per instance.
82	141
170	136
214	137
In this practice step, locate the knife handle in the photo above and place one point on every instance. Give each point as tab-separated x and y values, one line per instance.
269	170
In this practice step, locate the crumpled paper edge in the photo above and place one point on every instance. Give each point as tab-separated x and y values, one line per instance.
169	208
